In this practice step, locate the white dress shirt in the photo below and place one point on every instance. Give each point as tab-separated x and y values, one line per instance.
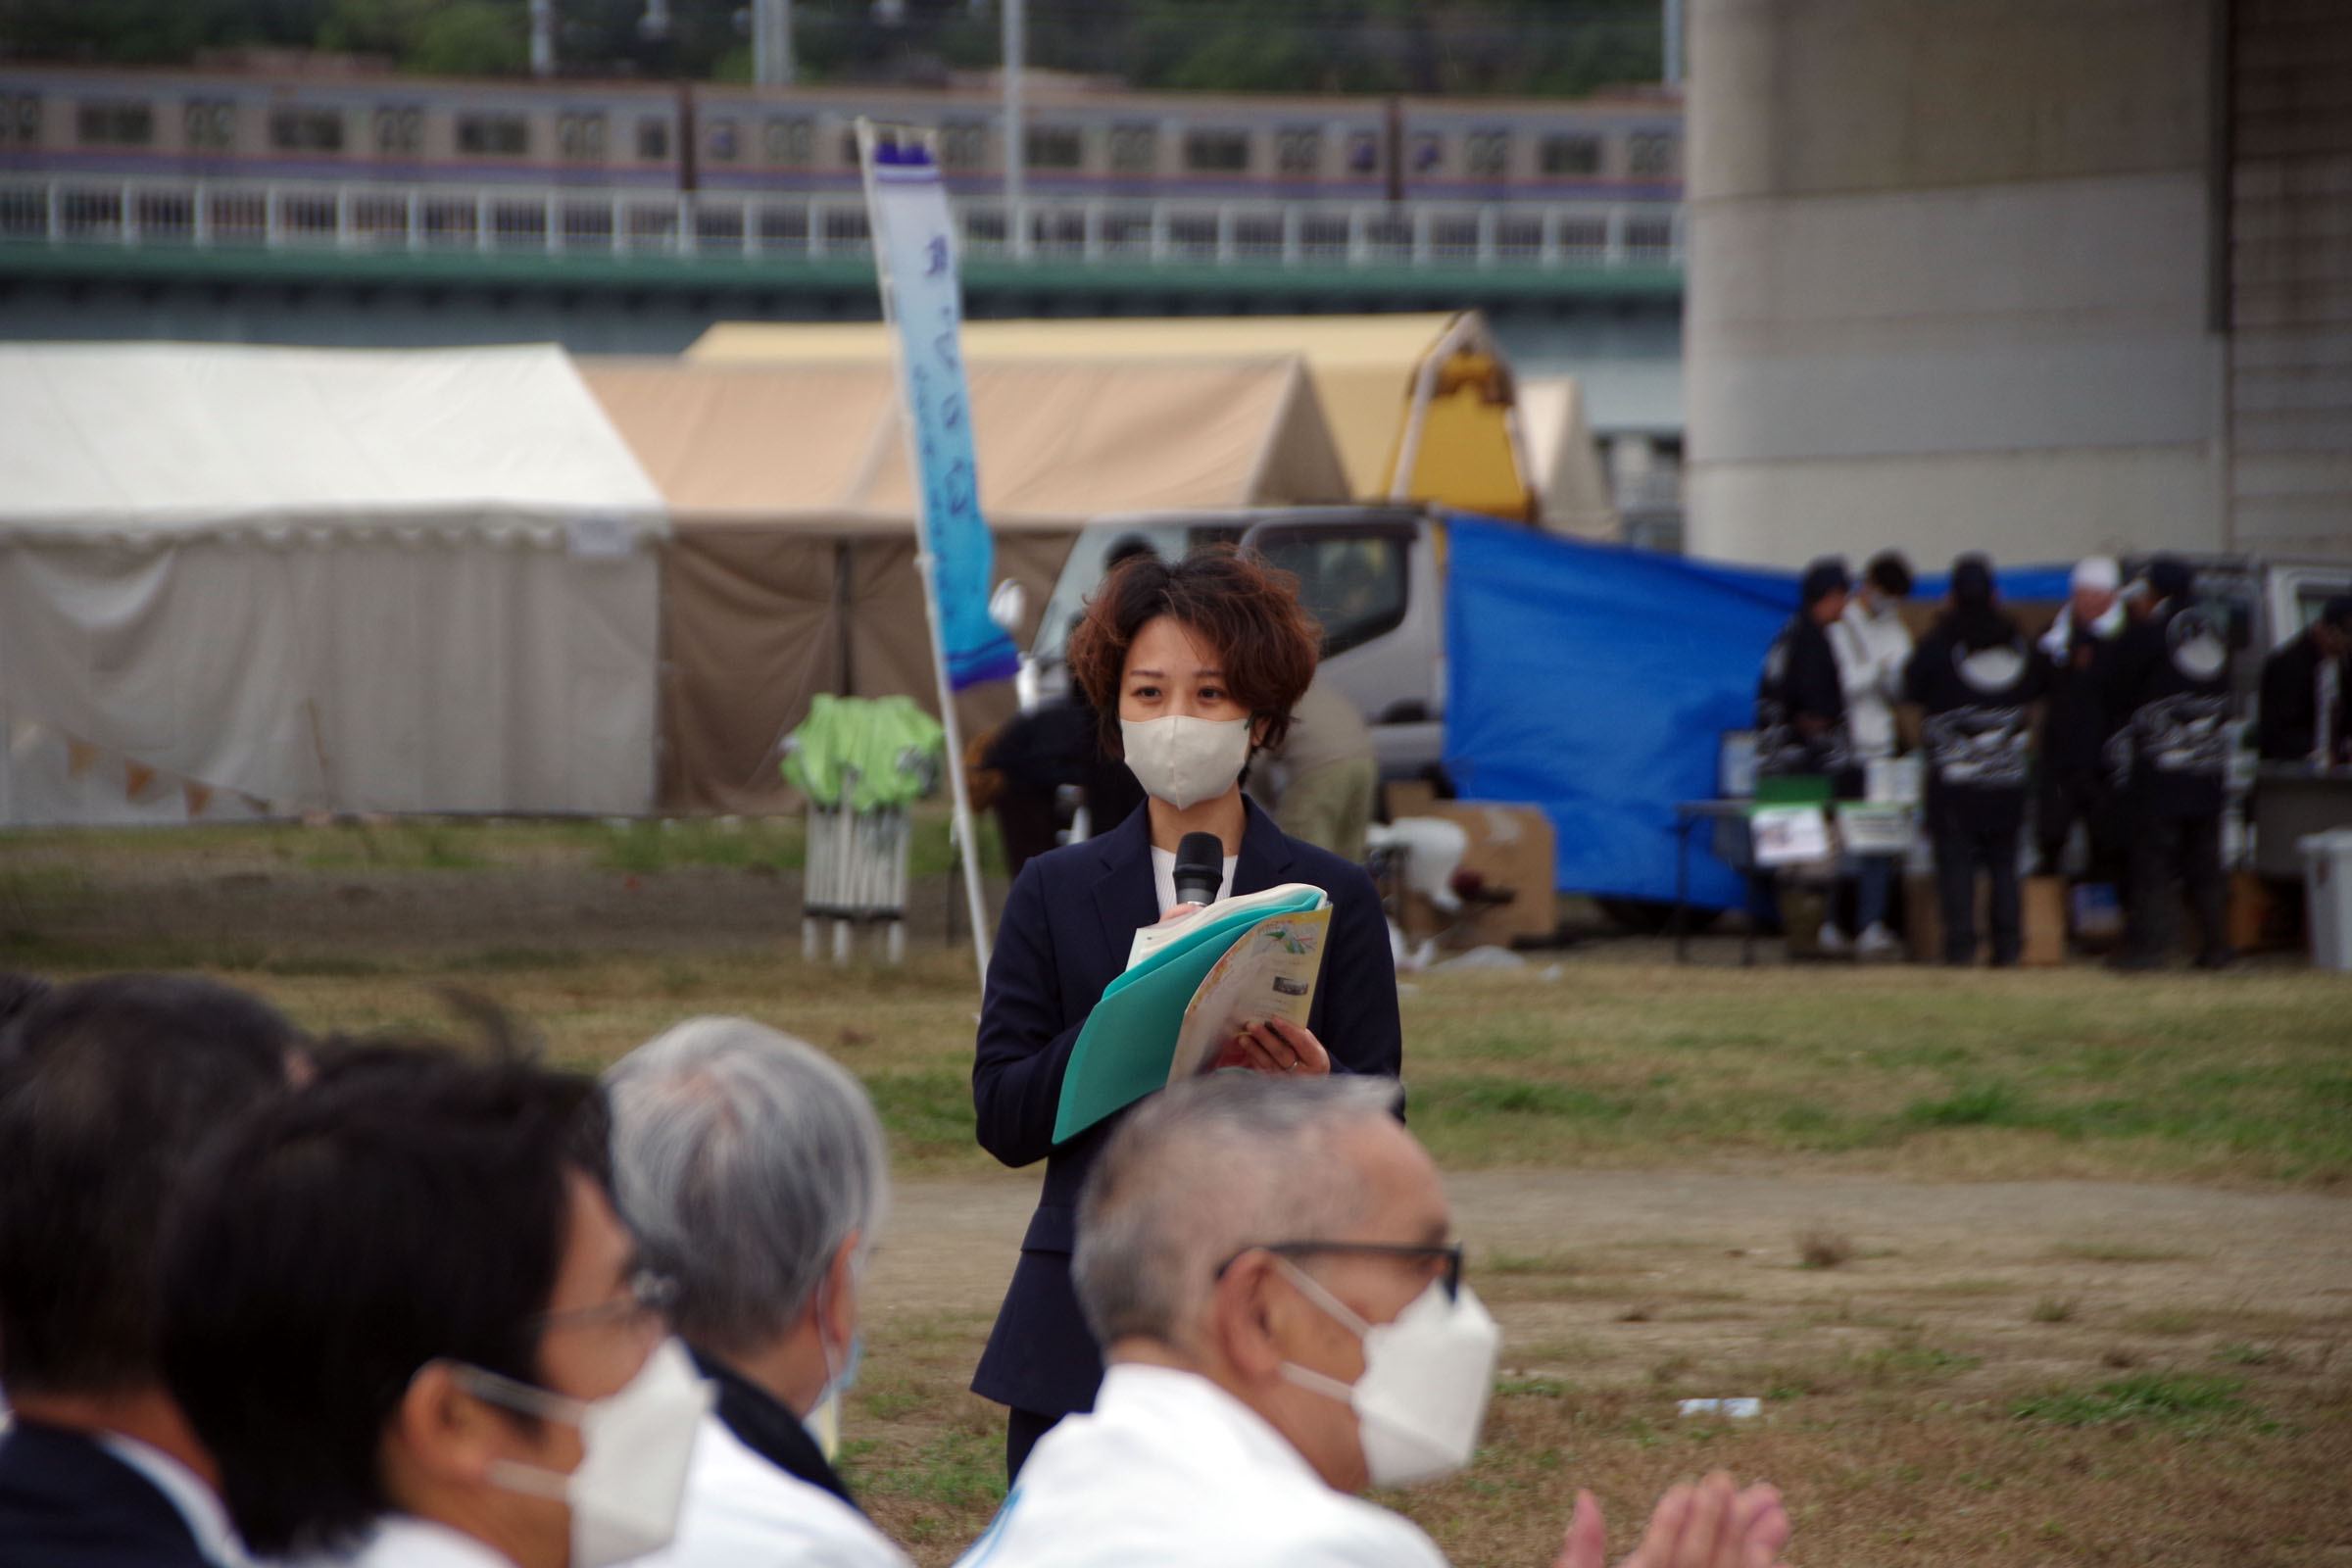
198	1503
1171	1470
1872	650
404	1540
743	1512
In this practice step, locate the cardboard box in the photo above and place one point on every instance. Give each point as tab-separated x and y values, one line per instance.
2041	921
2041	901
1511	849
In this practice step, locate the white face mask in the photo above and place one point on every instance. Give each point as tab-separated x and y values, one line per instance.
1184	761
1427	1376
634	1449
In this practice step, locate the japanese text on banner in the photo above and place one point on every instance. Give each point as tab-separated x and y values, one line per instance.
915	238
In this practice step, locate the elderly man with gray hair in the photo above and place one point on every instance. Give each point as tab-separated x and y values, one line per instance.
1271	1267
752	1172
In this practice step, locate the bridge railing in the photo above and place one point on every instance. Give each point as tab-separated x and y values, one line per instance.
369	218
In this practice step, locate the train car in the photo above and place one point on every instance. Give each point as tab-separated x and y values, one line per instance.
1622	148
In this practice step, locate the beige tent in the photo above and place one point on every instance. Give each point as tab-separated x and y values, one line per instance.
791	568
1568	471
1372	374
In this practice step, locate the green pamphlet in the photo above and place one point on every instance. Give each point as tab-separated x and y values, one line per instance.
1189	988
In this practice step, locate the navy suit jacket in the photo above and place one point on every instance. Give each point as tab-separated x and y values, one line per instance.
66	1502
1066	933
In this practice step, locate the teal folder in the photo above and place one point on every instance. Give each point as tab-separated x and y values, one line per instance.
1129	1041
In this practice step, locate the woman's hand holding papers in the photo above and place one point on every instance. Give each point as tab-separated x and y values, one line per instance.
1279	1045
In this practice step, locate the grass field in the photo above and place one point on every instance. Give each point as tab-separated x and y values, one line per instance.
2003	1375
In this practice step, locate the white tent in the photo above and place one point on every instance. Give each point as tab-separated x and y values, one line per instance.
236	580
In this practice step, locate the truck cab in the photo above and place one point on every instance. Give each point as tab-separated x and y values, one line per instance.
1372	578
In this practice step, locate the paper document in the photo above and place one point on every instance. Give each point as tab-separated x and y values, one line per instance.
1269	973
1151	938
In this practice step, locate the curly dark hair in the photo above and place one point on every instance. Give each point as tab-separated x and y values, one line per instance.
1247	611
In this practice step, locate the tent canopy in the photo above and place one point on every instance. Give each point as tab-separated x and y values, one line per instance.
169	438
791	571
1568	471
1363	368
819	446
286	580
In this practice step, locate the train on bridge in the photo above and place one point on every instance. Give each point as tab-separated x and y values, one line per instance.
1615	148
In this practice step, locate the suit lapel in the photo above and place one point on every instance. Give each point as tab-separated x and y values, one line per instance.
1265	855
1124	900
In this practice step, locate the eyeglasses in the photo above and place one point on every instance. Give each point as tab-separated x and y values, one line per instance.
1451	1252
647	1297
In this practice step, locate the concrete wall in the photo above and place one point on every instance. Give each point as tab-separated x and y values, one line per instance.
1949	279
2290	291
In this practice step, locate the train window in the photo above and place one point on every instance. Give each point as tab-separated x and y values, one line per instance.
1571	155
1298	152
1363	152
21	121
1216	151
1054	147
580	138
307	130
399	131
210	125
1134	149
653	140
1429	153
722	141
791	142
1487	153
494	135
1649	154
962	145
114	124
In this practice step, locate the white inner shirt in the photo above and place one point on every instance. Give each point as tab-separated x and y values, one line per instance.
1163	877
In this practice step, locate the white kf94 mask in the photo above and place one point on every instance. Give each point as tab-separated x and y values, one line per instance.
635	1446
1184	761
1423	1396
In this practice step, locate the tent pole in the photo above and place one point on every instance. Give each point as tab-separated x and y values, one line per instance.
967	840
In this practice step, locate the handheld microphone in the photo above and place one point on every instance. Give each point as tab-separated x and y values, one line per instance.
1200	867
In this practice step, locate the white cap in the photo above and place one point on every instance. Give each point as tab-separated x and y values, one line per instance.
2098	573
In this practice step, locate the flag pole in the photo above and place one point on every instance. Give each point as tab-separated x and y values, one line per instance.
925	567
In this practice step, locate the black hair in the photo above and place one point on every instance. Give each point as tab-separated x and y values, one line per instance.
109	1091
1977	621
18	991
1824	576
2337	612
410	1204
1890	573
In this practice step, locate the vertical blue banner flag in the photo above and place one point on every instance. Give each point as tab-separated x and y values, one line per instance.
914	247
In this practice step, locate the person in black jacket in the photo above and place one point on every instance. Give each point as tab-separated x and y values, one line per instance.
110	1091
2168	699
1976	678
1194	666
2305	686
2073	773
1800	702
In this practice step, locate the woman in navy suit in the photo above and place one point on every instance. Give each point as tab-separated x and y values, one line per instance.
1194	668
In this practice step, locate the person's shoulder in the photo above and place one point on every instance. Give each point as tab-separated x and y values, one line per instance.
741	1509
1333	1529
1318	866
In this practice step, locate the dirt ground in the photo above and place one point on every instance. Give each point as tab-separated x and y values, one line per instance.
1604	1274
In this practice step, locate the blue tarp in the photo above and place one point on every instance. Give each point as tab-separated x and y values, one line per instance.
1595	681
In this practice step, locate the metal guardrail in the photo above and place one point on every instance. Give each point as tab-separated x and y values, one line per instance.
206	215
